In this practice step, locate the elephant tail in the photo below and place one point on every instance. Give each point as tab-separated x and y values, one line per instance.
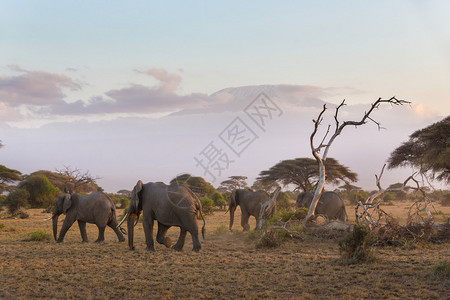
204	223
198	207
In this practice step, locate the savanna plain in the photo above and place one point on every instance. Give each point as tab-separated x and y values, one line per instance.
228	266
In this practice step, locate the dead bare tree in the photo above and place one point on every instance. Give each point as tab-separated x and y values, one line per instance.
326	145
369	212
75	178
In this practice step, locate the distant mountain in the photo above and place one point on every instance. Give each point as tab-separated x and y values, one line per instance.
234	99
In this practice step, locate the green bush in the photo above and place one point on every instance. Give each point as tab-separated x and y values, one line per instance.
2	226
207	205
16	200
442	268
284	202
356	246
124	202
357	195
39	236
218	200
286	215
2	200
42	193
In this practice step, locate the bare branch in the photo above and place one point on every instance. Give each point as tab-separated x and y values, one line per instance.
75	178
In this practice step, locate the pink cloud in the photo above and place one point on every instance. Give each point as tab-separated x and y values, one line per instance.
34	88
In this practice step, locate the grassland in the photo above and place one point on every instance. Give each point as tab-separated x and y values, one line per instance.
228	266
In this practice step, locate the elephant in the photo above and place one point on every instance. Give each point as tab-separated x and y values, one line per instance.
259	204
170	205
96	208
330	205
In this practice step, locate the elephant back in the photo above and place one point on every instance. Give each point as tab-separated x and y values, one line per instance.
180	196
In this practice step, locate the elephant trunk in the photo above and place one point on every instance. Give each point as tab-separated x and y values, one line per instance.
231	209
55	225
130	229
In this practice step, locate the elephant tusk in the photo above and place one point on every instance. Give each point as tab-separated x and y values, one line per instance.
123	219
49	218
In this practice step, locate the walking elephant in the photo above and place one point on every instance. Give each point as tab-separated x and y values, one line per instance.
330	205
169	205
259	204
96	208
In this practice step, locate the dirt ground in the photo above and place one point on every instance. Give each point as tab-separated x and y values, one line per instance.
229	266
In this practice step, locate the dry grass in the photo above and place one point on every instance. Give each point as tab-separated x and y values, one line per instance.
228	266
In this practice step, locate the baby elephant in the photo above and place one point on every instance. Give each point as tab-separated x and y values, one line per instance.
96	208
330	205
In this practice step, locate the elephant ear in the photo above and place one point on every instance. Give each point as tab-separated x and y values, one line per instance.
67	203
134	199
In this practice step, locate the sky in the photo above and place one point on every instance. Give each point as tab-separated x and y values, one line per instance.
141	89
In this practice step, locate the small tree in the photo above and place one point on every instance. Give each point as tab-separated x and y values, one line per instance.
17	199
218	200
207	205
41	192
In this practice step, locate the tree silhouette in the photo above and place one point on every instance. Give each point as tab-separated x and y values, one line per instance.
427	149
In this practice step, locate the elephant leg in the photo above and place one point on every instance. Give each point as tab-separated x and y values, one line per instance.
82	226
195	241
244	220
148	231
161	235
113	225
180	243
66	225
101	234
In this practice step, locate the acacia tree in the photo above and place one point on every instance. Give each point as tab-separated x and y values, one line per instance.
304	174
234	182
7	176
427	149
196	183
325	145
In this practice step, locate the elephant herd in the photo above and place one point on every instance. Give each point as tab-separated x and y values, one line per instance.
174	205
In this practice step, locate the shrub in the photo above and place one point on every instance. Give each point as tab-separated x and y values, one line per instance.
2	200
39	236
207	205
284	202
42	193
16	200
218	199
287	215
2	226
357	195
124	202
23	214
356	246
272	239
445	201
442	268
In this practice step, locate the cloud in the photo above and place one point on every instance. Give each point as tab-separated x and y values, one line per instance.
34	88
167	82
